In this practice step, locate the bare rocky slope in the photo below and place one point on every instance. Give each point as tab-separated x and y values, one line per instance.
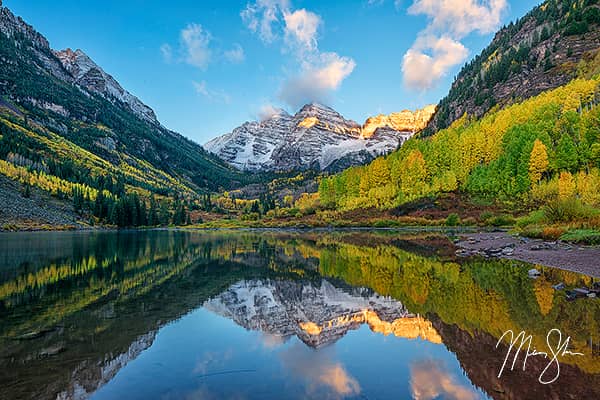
34	210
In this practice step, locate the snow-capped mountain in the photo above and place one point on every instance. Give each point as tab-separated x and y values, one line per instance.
316	137
89	75
318	314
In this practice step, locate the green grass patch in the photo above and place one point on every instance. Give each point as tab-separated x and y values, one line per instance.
537	217
583	236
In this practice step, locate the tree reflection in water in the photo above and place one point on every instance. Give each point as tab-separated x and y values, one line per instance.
75	308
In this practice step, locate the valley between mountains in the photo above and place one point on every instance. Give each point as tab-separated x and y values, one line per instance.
514	144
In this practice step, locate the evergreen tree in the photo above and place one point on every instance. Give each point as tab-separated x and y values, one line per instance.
255	208
78	199
164	214
153	213
100	205
179	217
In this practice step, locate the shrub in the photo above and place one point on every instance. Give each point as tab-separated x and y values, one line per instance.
253	216
469	221
587	236
552	232
386	223
501	220
452	220
486	215
534	218
567	210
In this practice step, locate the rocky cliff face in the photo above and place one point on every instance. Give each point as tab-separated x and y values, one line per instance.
317	314
541	51
403	121
316	137
88	74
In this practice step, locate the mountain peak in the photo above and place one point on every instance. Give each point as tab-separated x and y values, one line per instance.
11	24
275	113
88	74
315	108
77	63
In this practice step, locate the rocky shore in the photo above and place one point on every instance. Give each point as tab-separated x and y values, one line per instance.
582	259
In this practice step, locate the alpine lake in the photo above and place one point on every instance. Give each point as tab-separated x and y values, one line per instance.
178	314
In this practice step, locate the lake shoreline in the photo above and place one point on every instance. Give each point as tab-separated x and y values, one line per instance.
489	242
557	254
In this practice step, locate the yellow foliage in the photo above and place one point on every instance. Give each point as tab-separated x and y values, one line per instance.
538	161
588	187
308	202
544	294
49	183
446	161
415	174
566	185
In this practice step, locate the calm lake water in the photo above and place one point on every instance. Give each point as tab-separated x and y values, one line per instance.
281	315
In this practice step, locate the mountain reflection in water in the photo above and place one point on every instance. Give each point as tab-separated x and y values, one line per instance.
174	314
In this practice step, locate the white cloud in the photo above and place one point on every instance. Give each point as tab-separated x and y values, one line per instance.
212	95
301	29
195	49
167	53
461	17
438	48
430	59
260	16
235	55
428	381
319	73
320	371
317	80
267	111
375	3
195	45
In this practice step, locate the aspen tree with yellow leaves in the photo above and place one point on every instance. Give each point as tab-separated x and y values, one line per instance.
538	161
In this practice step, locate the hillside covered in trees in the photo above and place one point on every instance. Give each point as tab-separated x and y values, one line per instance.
540	51
87	142
543	153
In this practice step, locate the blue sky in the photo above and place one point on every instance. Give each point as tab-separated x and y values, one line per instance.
207	66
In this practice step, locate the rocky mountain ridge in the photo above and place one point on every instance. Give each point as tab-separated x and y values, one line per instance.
316	137
88	74
403	121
